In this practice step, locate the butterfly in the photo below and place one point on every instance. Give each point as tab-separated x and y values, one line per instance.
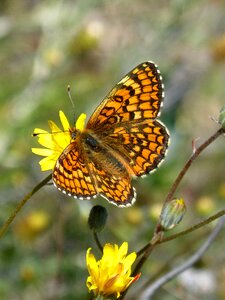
122	140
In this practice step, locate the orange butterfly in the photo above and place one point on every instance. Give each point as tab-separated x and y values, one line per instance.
121	140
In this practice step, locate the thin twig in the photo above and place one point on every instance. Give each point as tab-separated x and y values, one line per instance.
6	225
150	291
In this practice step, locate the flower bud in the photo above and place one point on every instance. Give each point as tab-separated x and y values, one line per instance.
97	218
222	117
172	213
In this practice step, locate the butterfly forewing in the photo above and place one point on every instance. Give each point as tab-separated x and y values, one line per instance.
137	96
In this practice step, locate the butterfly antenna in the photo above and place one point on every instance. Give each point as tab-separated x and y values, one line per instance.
71	100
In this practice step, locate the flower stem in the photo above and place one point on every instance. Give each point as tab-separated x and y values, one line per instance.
6	225
97	241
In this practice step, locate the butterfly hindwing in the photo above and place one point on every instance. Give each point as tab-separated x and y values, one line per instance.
113	187
140	146
71	174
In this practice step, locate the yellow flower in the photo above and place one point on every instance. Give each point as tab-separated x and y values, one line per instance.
111	274
32	225
56	140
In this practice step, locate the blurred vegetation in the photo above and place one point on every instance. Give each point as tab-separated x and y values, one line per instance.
46	45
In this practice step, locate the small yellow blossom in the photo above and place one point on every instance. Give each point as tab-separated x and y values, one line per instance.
111	274
55	141
32	225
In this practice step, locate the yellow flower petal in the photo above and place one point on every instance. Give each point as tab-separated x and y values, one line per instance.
123	249
92	264
37	131
47	163
46	140
80	122
61	140
130	259
64	121
42	151
54	128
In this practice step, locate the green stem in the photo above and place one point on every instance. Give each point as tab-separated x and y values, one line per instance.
6	225
97	241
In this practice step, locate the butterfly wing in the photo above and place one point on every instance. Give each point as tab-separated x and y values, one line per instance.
71	174
114	187
121	139
138	96
141	147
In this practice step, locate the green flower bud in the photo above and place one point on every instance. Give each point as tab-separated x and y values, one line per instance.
172	213
97	218
222	117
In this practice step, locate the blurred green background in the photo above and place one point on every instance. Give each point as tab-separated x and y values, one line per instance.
46	45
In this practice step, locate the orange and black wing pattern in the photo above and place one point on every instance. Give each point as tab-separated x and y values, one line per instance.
84	172
71	174
138	96
113	186
141	147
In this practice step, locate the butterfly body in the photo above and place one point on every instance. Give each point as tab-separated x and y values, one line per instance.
121	140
